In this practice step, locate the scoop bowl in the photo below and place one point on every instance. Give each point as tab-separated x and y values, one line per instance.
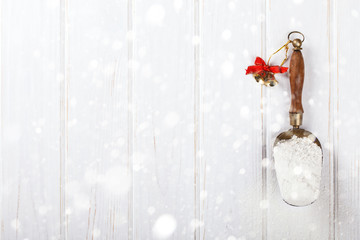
299	181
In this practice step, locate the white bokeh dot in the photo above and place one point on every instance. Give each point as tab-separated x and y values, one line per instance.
226	34
355	13
171	119
164	226
155	14
227	68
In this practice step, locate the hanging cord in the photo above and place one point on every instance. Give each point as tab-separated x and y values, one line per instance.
286	51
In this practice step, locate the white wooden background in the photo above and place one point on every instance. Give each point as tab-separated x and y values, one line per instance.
133	119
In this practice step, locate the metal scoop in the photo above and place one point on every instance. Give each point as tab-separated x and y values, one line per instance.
296	116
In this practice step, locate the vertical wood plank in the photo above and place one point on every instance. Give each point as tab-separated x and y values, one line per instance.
1	125
30	44
347	121
174	109
311	222
64	113
265	129
165	173
231	179
98	167
198	118
333	116
130	112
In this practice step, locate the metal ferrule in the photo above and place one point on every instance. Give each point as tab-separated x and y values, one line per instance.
296	119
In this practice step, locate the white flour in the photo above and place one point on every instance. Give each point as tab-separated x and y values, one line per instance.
298	164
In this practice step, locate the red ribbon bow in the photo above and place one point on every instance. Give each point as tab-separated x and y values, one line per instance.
260	67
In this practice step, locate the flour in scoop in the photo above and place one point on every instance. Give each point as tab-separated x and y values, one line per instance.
298	163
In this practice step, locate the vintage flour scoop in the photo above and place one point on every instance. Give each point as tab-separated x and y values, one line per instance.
297	152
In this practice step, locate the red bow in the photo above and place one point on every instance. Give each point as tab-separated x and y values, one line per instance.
261	67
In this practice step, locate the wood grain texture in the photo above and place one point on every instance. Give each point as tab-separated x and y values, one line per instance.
284	221
346	121
231	174
199	164
30	197
133	119
98	168
165	158
333	107
296	76
64	113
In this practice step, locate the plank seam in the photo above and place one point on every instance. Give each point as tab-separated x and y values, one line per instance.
131	132
333	114
197	119
1	125
264	131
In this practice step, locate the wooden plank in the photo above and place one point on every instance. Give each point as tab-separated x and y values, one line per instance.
231	174
165	159
315	221
98	167
30	196
179	106
64	113
347	122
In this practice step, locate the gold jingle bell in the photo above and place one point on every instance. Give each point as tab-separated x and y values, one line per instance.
266	78
270	81
259	78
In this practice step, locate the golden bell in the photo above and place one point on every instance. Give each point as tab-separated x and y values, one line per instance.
271	83
259	78
270	80
267	79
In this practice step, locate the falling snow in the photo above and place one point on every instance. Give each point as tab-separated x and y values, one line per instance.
117	140
227	68
226	34
155	14
164	226
171	119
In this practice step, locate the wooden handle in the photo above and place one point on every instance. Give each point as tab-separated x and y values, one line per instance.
297	72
